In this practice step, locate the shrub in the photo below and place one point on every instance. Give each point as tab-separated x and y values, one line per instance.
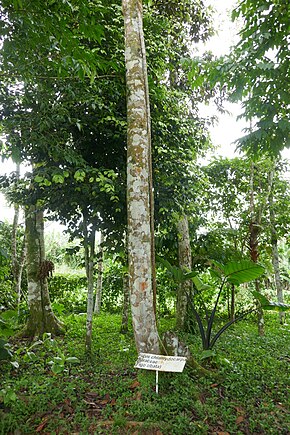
70	291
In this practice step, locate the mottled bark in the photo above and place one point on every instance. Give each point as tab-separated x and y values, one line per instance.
98	300
140	235
89	244
274	243
41	317
184	258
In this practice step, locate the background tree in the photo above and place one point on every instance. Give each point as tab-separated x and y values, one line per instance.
258	73
41	317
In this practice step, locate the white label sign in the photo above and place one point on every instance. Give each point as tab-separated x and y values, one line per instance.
162	363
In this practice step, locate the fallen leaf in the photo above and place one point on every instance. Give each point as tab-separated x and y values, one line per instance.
134	385
42	425
214	385
90	403
113	402
138	395
240	419
223	433
133	423
92	394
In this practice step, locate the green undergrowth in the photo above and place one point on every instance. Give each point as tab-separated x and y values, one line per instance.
58	390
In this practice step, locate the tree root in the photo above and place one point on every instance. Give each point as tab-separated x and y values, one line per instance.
175	347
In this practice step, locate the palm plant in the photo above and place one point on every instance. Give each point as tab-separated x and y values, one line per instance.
233	273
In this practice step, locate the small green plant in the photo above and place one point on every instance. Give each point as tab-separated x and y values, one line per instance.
41	350
5	351
233	273
8	322
60	362
7	396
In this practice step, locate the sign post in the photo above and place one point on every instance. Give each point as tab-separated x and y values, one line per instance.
160	363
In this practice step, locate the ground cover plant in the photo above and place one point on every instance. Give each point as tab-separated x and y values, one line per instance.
58	390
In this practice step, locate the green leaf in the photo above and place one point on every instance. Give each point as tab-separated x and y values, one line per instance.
190	275
8	396
177	273
207	354
72	360
4	351
266	65
200	286
38	179
57	368
46	182
57	178
242	271
218	267
6	332
80	175
270	305
14	364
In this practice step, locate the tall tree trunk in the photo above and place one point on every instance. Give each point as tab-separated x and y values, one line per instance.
184	256
255	227
89	243
139	188
274	243
41	317
98	300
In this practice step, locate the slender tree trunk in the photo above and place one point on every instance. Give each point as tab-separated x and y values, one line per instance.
126	304
233	302
139	188
21	265
276	267
275	254
184	256
18	260
89	243
98	300
15	263
255	227
41	317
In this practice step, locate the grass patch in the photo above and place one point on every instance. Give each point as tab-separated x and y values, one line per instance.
107	395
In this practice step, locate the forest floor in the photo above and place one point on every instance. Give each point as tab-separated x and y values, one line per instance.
52	392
